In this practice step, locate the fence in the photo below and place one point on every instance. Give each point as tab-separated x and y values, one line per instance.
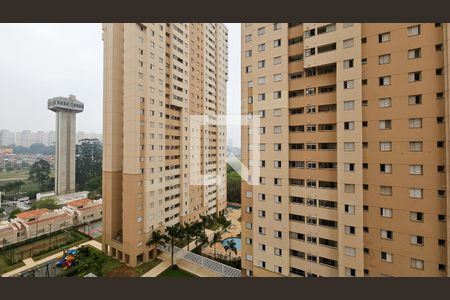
202	261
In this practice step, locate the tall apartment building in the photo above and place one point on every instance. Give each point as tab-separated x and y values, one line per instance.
354	149
7	137
157	77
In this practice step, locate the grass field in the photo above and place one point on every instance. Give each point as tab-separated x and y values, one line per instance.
176	273
5	267
14	175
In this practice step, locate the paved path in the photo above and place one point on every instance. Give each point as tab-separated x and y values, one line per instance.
30	263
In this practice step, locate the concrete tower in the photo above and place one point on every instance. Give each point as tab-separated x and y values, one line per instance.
65	109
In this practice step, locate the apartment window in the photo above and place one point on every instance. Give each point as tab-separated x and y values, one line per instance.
416	240
277	60
250	83
415	146
348	43
261	47
414	53
261	30
250	100
386	190
261	97
348	84
349	167
310	52
385	80
277	181
415	169
277	112
416	193
350	209
349	188
363	61
349	125
277	95
416	216
350	251
386	256
310	33
384	102
261	80
277	199
414	99
417	264
248	53
262	230
414	76
276	147
386	234
277	77
261	213
261	64
415	123
248	38
384	37
439	47
349	230
385	146
277	43
384	59
385	124
414	30
349	146
386	168
386	212
348	63
276	26
349	105
248	69
277	216
248	225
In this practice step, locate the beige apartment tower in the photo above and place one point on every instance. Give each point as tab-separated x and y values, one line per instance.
354	149
158	77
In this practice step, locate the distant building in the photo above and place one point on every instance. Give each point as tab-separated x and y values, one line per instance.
83	135
7	137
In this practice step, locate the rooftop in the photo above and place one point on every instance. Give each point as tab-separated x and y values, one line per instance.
79	202
32	214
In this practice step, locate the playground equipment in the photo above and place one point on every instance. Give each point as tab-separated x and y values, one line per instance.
68	259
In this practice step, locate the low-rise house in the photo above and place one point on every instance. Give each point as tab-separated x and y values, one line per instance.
85	210
42	221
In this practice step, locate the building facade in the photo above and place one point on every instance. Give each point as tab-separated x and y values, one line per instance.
157	78
354	149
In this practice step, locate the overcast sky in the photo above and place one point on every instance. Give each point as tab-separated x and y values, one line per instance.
42	61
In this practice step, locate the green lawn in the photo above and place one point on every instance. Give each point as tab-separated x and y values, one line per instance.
102	265
6	267
215	226
176	273
14	175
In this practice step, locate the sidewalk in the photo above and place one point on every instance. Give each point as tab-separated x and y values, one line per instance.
30	263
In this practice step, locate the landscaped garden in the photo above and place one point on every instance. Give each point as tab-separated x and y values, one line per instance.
176	272
92	260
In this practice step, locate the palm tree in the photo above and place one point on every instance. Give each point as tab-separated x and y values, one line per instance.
231	245
156	239
201	239
217	238
173	234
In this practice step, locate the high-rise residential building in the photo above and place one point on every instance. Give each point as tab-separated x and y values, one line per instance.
354	149
158	77
66	110
7	137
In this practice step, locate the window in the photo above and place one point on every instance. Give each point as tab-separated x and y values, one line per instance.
349	167
414	53
349	105
386	212
277	60
277	43
384	102
349	230
310	33
386	234
385	80
248	38
386	190
277	77
277	129
276	26
349	188
386	168
261	97
363	61
385	256
415	169
385	146
415	123
348	43
415	146
350	209
310	52
384	59
416	216
384	37
277	112
416	193
261	30
349	146
385	124
417	264
248	53
349	125
416	240
414	76
250	83
348	84
350	251
248	69
261	64
277	95
414	30
348	63
414	99
261	47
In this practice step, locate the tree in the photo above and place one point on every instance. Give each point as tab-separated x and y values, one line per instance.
217	238
156	239
231	245
49	203
201	239
14	212
233	186
89	165
40	174
173	234
189	231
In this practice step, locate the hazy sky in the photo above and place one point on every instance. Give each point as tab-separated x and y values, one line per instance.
42	61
